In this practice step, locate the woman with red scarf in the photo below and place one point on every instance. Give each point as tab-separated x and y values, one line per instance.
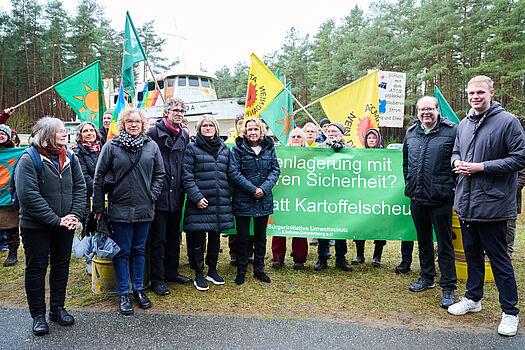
51	204
87	150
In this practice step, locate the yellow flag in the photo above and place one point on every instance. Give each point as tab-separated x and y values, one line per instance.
356	107
263	87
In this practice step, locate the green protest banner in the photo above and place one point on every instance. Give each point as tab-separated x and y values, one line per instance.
356	193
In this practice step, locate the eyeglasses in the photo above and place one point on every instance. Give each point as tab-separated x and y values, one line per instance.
62	131
131	122
177	110
208	126
427	109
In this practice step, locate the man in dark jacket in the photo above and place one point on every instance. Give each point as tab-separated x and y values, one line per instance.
429	182
164	232
106	122
488	152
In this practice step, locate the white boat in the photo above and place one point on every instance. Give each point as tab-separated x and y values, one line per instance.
196	89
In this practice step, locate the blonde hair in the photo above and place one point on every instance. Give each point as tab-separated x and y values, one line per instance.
210	118
296	131
124	116
482	79
257	122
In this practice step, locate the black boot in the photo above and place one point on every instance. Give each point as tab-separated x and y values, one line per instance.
360	249
12	259
321	264
378	251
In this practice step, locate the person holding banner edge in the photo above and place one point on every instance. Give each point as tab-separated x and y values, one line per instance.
335	132
429	183
254	172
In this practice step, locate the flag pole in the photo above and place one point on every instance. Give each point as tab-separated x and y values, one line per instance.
308	113
33	97
156	83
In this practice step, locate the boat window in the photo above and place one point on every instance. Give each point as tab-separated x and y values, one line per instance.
161	84
171	82
151	85
140	95
182	81
205	82
115	99
194	81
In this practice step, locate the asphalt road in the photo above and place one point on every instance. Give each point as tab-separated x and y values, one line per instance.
101	330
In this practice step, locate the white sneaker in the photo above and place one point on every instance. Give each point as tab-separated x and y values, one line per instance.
463	306
508	325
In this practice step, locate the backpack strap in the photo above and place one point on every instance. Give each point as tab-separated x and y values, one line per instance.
37	160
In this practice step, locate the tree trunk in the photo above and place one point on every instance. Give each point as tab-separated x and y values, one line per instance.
27	57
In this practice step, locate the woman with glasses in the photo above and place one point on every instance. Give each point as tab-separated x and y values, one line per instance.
296	138
254	171
130	170
209	205
52	201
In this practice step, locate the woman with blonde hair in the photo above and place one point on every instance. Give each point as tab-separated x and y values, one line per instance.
130	170
254	172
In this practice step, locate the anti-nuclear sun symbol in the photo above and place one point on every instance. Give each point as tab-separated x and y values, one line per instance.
362	127
91	101
252	95
287	122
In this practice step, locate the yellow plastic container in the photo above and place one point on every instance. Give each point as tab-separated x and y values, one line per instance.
103	276
459	252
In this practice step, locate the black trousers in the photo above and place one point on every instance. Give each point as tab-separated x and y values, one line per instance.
340	249
259	236
43	246
164	245
491	238
425	218
197	241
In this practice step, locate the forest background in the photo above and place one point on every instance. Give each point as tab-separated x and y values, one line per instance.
442	43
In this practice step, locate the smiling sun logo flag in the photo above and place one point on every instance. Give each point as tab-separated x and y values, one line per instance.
8	157
356	107
263	87
83	91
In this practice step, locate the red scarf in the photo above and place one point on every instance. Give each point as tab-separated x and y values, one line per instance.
91	146
60	151
174	130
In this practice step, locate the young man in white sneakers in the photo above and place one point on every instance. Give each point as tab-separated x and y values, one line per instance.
488	152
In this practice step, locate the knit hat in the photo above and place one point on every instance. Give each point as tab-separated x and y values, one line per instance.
340	126
323	122
239	117
6	130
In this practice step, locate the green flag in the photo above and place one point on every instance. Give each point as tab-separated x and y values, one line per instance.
83	91
444	107
279	114
132	53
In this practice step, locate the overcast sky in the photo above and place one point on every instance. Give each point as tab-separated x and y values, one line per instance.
224	32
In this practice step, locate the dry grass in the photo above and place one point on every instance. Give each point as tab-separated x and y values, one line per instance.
367	295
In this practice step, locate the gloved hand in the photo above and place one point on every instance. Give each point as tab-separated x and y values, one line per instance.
336	146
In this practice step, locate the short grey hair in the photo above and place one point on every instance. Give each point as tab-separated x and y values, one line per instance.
172	102
82	126
436	102
44	132
296	131
210	118
310	124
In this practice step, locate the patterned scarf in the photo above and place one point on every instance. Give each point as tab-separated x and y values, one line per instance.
93	147
130	143
60	151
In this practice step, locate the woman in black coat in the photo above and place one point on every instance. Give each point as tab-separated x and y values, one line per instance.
208	206
88	148
254	171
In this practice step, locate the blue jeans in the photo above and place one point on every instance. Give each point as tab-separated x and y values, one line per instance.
130	260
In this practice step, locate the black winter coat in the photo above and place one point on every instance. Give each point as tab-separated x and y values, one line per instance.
496	140
429	179
133	199
205	176
250	171
88	163
171	197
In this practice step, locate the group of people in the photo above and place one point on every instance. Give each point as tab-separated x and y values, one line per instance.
146	174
